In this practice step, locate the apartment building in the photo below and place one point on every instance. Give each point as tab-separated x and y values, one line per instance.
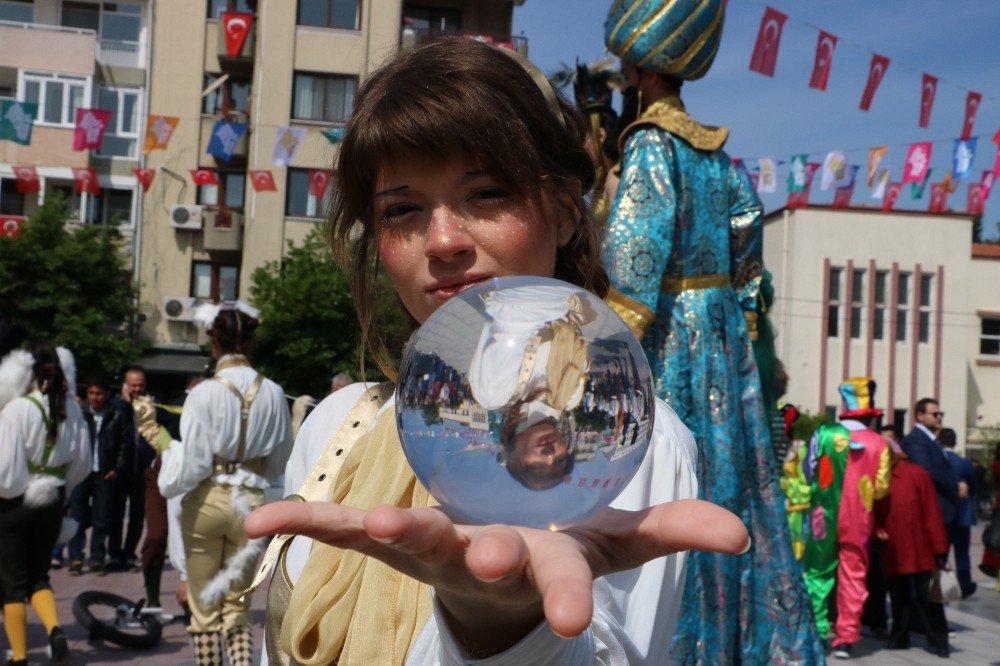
293	77
903	297
70	54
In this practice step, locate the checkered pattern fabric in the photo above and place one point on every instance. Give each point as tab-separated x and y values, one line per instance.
207	649
239	646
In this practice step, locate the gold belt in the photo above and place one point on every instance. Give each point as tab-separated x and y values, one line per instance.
694	282
256	465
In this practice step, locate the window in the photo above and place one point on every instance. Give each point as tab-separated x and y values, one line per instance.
110	208
343	14
989	338
11	201
217	282
878	324
19	11
67	192
323	97
857	300
902	305
58	96
121	138
833	308
299	202
231	95
425	19
899	419
216	7
112	21
228	194
924	322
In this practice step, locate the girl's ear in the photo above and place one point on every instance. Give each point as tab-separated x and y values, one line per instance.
567	214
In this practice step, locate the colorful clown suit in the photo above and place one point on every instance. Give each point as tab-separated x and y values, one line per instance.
827	461
797	493
866	479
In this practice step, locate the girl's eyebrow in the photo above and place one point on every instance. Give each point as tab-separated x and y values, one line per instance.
391	191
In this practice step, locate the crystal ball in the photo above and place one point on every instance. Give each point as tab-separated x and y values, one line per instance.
525	401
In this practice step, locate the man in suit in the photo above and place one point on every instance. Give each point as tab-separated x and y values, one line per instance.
965	514
921	447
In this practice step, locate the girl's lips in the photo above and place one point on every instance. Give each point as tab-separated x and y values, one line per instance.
446	291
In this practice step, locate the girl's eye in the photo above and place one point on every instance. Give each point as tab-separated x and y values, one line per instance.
490	194
396	211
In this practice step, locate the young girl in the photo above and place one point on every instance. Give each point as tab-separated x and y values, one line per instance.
44	453
459	166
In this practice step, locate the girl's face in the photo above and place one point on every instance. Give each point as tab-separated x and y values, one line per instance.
442	227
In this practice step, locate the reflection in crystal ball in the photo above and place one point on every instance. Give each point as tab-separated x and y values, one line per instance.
524	401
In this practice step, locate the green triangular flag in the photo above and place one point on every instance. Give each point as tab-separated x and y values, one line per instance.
16	120
335	135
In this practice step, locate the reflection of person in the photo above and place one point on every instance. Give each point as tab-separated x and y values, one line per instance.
456	170
535	449
683	248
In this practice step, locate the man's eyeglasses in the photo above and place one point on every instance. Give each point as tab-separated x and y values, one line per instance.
936	414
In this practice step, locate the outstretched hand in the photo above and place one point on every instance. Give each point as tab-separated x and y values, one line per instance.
496	581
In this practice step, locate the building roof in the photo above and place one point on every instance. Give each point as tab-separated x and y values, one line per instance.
986	251
866	209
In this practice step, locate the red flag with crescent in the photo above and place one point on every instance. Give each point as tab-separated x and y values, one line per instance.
145	177
237	27
974	199
27	179
891	195
85	179
927	91
876	72
824	58
765	51
939	198
262	181
318	180
11	226
204	177
972	101
842	197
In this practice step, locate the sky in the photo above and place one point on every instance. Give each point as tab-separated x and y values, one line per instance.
956	41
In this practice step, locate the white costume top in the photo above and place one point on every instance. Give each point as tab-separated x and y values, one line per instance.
210	427
634	611
22	439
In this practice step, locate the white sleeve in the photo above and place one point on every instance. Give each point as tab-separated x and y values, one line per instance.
188	461
175	538
13	460
79	444
278	457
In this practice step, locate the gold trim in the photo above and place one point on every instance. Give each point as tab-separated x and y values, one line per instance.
668	113
700	71
644	27
695	48
636	315
232	361
631	10
694	282
670	38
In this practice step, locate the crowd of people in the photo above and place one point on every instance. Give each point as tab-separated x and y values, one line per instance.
460	164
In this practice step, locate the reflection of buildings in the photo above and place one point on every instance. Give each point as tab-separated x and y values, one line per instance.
469	413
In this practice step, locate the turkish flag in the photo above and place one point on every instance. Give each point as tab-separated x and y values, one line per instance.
842	197
974	199
263	181
891	194
11	226
939	198
972	101
824	58
145	177
237	26
27	179
765	51
927	91
204	177
318	181
875	74
85	179
801	199
89	130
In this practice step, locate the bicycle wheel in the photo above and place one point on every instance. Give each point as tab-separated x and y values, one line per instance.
116	619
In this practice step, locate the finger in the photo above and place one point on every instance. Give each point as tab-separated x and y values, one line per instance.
497	552
565	581
427	534
692	525
330	523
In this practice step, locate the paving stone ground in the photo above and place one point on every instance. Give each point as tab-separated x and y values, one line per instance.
975	620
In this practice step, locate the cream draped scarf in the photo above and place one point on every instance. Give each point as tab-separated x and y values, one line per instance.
348	608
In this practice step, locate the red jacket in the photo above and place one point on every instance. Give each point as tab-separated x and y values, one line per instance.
911	516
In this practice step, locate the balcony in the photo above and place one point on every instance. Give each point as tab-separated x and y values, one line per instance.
223	229
242	62
240	151
119	54
412	37
48	48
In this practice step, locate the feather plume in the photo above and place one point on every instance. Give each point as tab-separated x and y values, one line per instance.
68	364
242	562
15	375
43	490
205	314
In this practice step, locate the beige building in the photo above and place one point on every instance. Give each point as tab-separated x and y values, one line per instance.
299	67
903	297
70	54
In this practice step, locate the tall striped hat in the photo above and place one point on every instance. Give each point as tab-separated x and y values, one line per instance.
675	37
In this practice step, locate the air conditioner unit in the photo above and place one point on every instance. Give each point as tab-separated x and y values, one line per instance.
185	217
179	308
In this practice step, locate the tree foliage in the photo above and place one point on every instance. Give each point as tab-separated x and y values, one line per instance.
70	285
309	330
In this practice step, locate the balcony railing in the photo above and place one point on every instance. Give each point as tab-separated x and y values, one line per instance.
411	37
119	54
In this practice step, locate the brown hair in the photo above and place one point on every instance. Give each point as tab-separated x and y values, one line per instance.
456	96
48	375
233	330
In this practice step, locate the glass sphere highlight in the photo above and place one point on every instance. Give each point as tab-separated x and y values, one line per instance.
524	401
